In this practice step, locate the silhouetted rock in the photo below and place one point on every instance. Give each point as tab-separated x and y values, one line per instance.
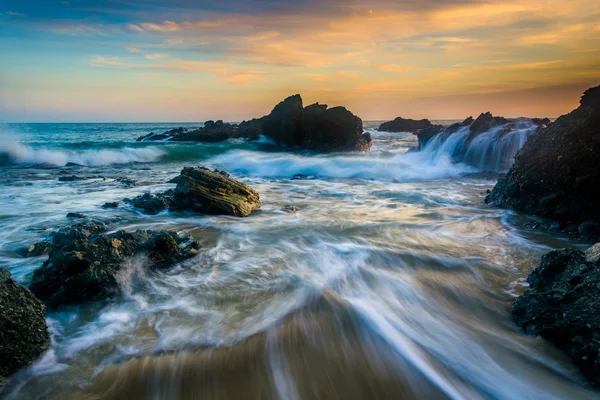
211	132
284	123
404	125
161	136
333	129
23	332
84	264
484	123
152	203
213	192
556	174
563	306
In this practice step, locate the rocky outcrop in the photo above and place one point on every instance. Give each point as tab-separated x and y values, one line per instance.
333	129
152	204
85	263
38	249
405	125
556	174
485	122
289	125
213	192
562	305
23	332
211	132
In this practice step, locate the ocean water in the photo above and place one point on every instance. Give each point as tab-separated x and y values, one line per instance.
392	281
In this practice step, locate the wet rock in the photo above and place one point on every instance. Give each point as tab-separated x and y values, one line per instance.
75	215
161	136
556	174
485	122
563	306
24	335
483	175
111	204
38	249
211	132
291	209
333	129
152	203
592	255
405	125
126	182
174	180
84	265
213	192
589	230
284	123
70	178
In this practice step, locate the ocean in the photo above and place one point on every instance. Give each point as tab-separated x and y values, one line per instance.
392	280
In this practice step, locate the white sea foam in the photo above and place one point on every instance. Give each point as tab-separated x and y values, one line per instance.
14	152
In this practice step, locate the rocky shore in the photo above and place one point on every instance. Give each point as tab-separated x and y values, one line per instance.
290	125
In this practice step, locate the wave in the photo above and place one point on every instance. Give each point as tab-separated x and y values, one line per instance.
493	150
14	152
395	167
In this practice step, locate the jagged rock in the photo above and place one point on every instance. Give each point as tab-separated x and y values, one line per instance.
75	215
284	123
161	136
485	122
24	335
211	132
38	249
213	192
425	135
592	255
333	129
174	180
405	125
556	173
84	264
152	203
111	204
563	306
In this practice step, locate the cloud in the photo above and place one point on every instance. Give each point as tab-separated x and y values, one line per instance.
155	56
394	68
166	26
102	61
133	49
136	28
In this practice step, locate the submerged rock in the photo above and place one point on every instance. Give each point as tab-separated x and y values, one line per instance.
111	204
24	335
405	125
70	178
556	174
152	203
563	306
84	264
213	192
75	215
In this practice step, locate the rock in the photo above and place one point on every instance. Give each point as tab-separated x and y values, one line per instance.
483	175
161	136
592	255
213	192
84	265
563	306
404	125
75	215
589	230
23	331
111	204
556	174
152	203
425	135
211	132
485	122
126	181
174	180
291	209
284	123
38	249
333	129
70	178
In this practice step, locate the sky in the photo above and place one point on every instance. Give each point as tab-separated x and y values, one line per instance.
193	60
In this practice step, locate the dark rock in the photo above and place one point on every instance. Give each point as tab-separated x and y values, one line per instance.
483	175
70	178
23	332
291	209
405	125
485	122
425	135
211	132
84	265
161	136
589	230
152	203
284	123
75	215
174	180
213	192
333	129
126	181
541	121
556	174
563	306
111	204
38	249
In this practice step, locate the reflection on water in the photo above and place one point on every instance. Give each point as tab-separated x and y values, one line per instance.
392	281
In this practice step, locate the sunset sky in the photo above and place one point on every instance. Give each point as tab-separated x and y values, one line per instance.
184	60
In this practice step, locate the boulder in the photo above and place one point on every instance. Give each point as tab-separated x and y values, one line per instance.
84	264
75	215
213	192
38	249
485	122
152	203
284	123
333	129
405	125
556	173
562	305
111	204
24	335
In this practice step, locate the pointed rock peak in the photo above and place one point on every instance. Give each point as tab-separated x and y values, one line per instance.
591	97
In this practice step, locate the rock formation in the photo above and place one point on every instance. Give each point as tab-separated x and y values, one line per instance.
23	332
562	305
213	192
84	263
557	173
405	125
211	132
152	204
